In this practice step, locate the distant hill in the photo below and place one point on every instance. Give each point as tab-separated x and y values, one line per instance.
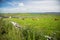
35	13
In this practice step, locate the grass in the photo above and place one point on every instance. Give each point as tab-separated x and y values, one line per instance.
34	28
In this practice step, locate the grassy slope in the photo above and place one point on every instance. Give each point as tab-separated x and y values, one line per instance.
45	24
35	28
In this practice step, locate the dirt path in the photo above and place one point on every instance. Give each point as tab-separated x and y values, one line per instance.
15	24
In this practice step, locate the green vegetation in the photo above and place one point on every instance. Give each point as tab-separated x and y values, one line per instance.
34	27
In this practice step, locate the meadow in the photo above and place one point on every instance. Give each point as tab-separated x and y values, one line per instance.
33	27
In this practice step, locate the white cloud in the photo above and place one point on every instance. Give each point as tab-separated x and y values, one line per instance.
43	6
12	3
12	10
21	4
16	4
32	6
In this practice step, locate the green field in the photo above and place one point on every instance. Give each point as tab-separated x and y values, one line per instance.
34	27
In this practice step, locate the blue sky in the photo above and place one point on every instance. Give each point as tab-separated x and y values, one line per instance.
17	6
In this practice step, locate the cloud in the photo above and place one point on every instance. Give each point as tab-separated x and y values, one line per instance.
21	4
13	10
15	7
12	3
16	4
32	6
43	6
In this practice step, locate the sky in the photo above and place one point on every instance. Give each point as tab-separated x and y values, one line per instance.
24	6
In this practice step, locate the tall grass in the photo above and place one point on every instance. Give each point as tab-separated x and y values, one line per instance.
9	32
34	30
